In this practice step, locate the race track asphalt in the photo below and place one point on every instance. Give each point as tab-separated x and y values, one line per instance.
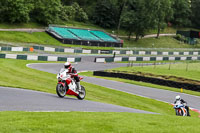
14	99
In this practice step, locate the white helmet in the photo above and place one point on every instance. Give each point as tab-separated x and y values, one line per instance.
67	65
178	97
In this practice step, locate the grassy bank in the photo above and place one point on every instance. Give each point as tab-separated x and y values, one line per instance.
35	38
162	42
20	25
91	122
189	70
44	39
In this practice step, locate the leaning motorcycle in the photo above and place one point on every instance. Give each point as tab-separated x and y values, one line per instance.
67	85
180	109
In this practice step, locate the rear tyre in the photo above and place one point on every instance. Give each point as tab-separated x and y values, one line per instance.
60	90
82	94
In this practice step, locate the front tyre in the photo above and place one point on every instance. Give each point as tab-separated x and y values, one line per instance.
82	93
60	90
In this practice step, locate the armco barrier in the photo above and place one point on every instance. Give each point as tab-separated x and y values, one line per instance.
40	58
158	81
138	58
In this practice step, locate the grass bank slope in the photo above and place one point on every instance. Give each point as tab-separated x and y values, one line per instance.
189	70
91	122
44	39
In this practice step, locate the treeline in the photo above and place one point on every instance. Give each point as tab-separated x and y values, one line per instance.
135	16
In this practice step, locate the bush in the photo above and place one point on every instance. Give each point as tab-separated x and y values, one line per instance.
180	38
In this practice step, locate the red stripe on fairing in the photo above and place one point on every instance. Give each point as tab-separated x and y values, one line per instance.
68	81
61	83
199	34
70	92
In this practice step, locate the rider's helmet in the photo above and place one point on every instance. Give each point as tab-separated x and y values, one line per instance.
67	65
178	97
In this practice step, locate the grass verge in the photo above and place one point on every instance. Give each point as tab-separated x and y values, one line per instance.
20	25
93	122
188	70
44	39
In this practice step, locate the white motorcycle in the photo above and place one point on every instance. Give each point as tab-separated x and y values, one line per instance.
180	109
67	85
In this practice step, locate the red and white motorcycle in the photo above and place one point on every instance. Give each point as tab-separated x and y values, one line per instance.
67	85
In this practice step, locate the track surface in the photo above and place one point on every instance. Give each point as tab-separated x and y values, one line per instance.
158	94
13	99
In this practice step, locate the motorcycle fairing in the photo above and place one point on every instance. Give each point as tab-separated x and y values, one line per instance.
70	92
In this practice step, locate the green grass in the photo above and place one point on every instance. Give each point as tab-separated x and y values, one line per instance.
44	39
34	38
24	37
93	122
185	70
162	42
20	25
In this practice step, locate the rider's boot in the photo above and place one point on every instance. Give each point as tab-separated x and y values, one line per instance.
187	108
79	86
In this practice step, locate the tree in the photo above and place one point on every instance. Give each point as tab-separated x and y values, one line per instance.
121	10
15	11
46	11
136	19
182	12
161	13
79	14
104	14
195	5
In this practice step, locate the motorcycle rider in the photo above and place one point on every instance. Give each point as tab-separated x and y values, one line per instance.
178	98
72	70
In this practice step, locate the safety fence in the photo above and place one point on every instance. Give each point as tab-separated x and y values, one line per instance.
40	58
95	51
140	58
152	80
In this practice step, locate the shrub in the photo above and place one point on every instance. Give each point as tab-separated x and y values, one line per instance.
180	38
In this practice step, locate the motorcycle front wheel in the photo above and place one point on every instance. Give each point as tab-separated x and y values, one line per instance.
60	90
82	94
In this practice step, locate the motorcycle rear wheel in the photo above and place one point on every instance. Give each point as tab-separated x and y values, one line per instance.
60	90
82	94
